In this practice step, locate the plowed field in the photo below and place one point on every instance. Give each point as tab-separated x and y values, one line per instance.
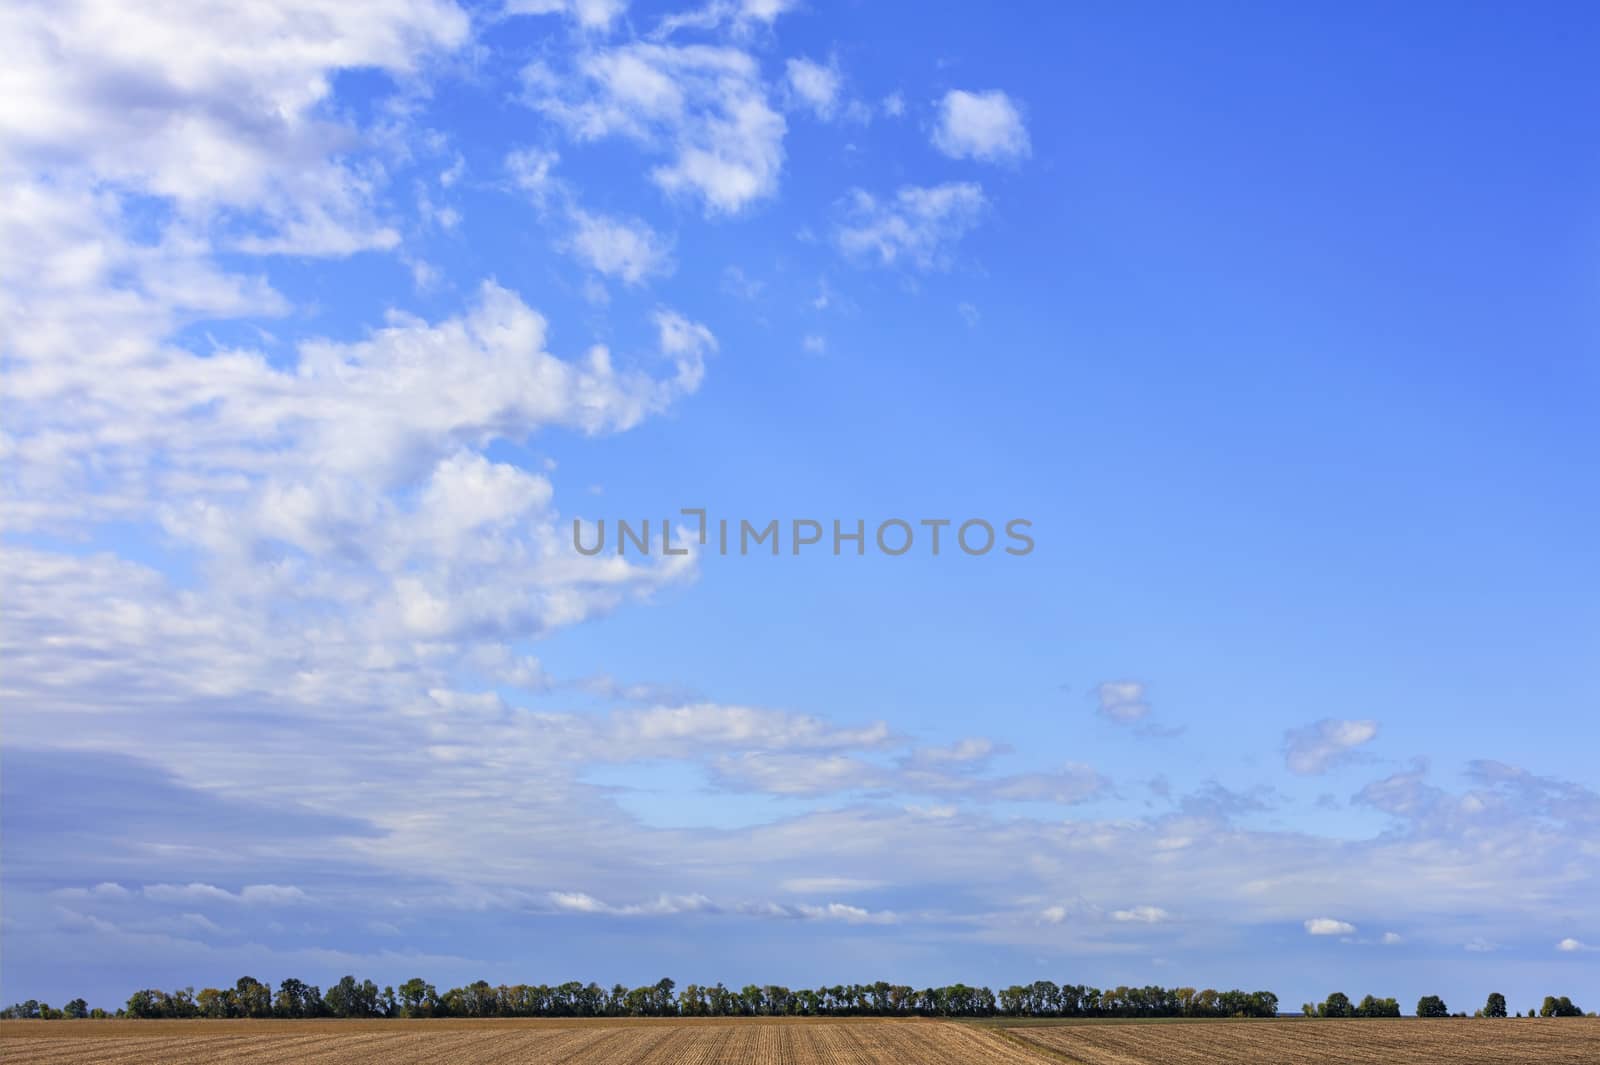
792	1042
1567	1041
742	1042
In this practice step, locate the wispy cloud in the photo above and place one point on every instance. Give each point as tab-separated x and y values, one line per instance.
919	226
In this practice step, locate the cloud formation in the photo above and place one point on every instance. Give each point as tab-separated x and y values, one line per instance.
1122	701
705	106
918	227
1321	746
986	126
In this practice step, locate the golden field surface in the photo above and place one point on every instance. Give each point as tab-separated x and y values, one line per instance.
536	1042
1460	1041
799	1042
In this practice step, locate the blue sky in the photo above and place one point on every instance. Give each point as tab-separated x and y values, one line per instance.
1277	325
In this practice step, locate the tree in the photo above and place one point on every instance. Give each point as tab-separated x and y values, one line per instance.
1336	1005
76	1010
296	999
1432	1006
252	998
1495	1006
1559	1007
1378	1007
418	998
214	1003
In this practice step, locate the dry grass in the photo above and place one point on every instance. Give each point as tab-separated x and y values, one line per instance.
1564	1041
798	1042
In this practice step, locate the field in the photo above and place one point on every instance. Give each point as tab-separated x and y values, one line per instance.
1568	1041
798	1042
536	1042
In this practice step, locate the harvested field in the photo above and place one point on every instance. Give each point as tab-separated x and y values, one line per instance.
1564	1041
800	1042
456	1042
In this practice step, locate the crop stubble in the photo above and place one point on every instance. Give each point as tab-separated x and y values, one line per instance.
747	1042
1568	1041
797	1042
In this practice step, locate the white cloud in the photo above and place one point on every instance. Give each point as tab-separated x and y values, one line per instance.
741	17
1571	946
967	751
1390	939
839	911
624	248
214	108
530	171
249	895
704	105
578	902
1142	915
271	894
1327	926
1121	700
589	14
1318	747
771	730
103	891
919	226
980	125
814	86
662	906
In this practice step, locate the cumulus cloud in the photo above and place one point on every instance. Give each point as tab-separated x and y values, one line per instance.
918	227
102	891
705	105
1327	926
249	895
217	109
980	125
530	170
1318	747
623	248
589	14
1571	946
665	905
1122	700
814	85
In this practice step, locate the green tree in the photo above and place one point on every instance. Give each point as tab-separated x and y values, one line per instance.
1336	1005
1495	1006
1559	1007
1432	1006
252	998
418	998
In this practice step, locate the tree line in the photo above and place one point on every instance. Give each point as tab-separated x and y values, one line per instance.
416	997
1338	1005
296	999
